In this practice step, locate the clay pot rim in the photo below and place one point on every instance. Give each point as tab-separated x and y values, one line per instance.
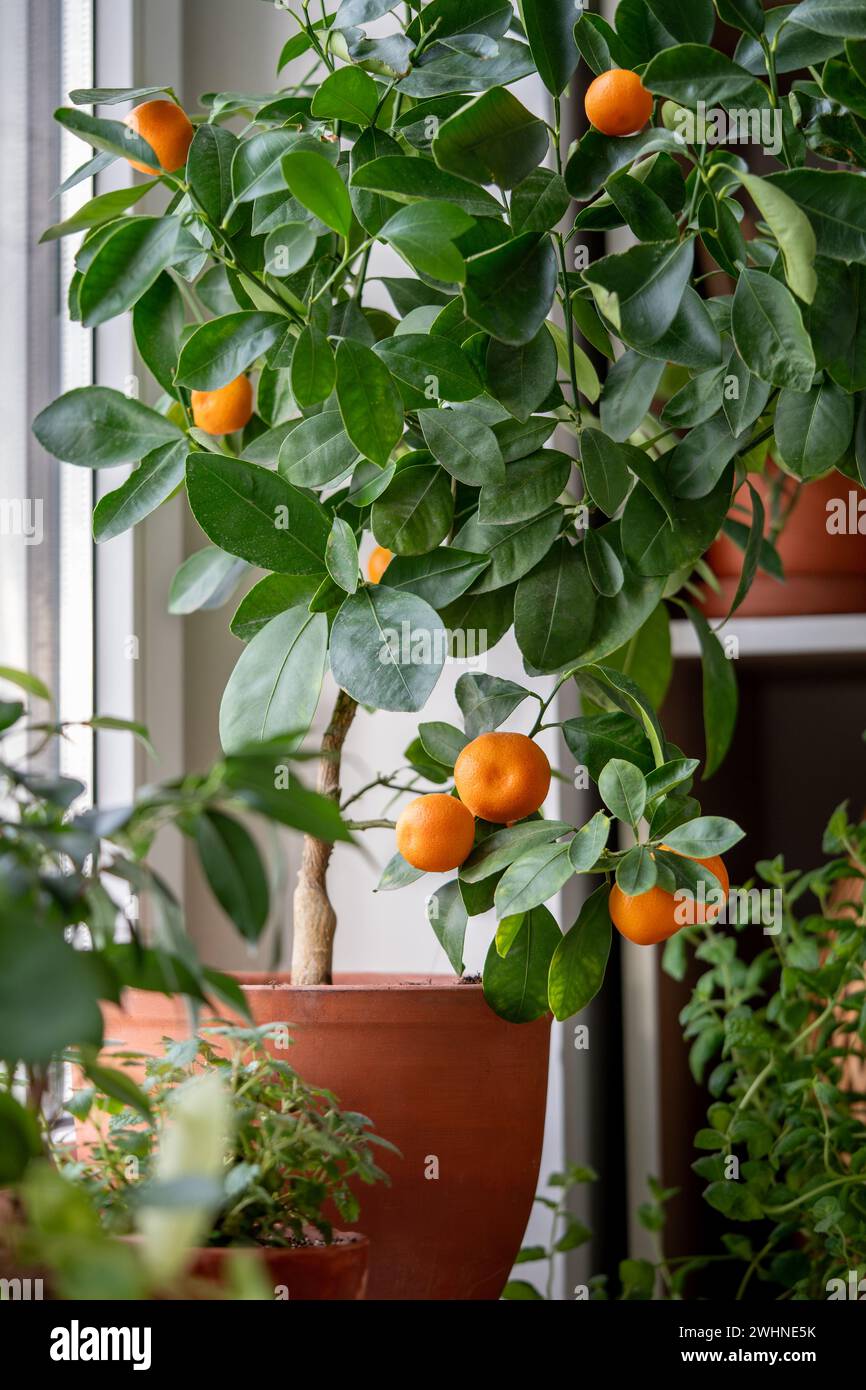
343	1240
356	982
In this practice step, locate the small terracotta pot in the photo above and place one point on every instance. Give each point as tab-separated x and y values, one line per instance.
824	572
459	1091
301	1274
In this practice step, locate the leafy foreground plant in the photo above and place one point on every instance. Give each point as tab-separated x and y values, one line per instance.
67	871
429	426
291	1152
784	1148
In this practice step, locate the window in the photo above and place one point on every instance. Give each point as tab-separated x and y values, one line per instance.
46	558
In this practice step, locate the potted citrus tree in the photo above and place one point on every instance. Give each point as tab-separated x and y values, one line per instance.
306	424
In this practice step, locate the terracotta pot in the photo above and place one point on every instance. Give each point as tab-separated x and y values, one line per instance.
460	1092
304	1274
824	573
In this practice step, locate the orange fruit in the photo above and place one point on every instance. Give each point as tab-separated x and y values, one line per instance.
617	103
650	917
379	560
225	410
502	777
435	832
167	129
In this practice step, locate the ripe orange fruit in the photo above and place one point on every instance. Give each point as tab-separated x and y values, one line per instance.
617	103
502	777
435	832
167	129
650	917
225	410
378	562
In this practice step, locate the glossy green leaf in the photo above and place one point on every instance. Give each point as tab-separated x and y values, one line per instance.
387	648
413	180
369	401
548	25
623	790
424	233
495	852
522	377
492	139
113	137
223	348
539	202
272	595
578	965
317	450
206	579
135	252
234	870
257	166
255	514
515	986
209	169
464	446
792	230
842	18
439	577
274	688
414	513
768	332
694	72
96	427
288	248
157	323
554	609
486	701
341	555
704	837
605	468
510	289
348	94
530	487
105	207
589	842
639	290
428	369
690	23
813	428
719	692
514	549
152	482
318	186
833	202
447	916
533	878
314	370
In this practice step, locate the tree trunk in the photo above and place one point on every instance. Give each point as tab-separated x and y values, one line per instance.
314	918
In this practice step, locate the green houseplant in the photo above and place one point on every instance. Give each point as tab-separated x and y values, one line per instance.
290	1156
429	426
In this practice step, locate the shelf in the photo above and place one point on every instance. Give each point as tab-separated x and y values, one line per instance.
832	633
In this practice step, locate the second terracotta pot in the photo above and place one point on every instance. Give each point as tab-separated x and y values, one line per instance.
460	1092
825	571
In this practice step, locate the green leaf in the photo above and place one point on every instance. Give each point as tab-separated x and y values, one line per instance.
424	233
628	393
509	290
605	468
314	371
274	688
694	72
536	875
539	202
720	692
578	965
114	137
832	201
387	648
152	482
257	166
272	595
318	186
636	872
414	180
442	741
341	555
492	139
704	837
134	253
255	514
414	514
464	446
209	169
233	868
522	377
428	369
531	486
105	207
206	579
814	428
595	739
369	401
503	847
157	323
602	564
96	427
842	18
463	72
548	25
513	549
694	466
640	290
554	609
448	918
223	348
486	701
623	790
589	842
288	248
349	94
769	334
691	23
747	15
648	215
596	157
516	987
317	450
39	965
439	577
792	230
